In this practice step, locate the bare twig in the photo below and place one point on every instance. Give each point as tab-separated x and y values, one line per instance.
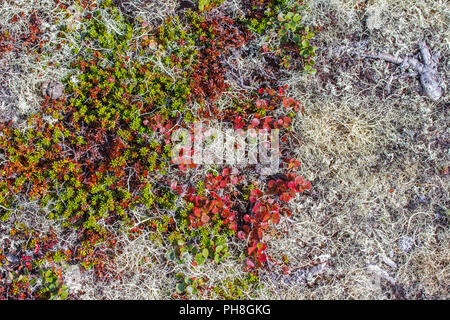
427	69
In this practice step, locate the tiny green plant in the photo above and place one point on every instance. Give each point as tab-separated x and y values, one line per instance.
52	285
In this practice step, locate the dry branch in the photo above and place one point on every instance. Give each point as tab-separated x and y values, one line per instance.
427	69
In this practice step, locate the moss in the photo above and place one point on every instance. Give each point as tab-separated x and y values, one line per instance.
238	288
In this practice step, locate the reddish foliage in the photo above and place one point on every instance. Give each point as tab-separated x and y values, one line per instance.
208	81
266	208
23	42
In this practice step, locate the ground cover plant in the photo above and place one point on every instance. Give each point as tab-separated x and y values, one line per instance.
96	159
93	205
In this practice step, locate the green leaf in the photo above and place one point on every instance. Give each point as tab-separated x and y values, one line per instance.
293	26
205	253
170	255
199	258
179	276
63	295
202	4
180	288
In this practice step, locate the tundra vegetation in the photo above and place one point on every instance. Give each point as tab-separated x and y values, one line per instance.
93	205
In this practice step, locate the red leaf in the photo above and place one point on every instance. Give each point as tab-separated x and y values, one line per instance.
223	183
292	185
262	258
307	185
241	235
275	217
256	208
259	233
255	122
286	271
287	121
299	180
287	102
285	197
226	172
205	218
238	119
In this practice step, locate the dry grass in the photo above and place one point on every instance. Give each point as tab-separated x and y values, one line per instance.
21	74
376	160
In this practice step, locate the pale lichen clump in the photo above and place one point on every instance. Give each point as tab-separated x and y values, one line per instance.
377	159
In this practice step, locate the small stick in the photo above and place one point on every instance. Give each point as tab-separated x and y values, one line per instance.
427	69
